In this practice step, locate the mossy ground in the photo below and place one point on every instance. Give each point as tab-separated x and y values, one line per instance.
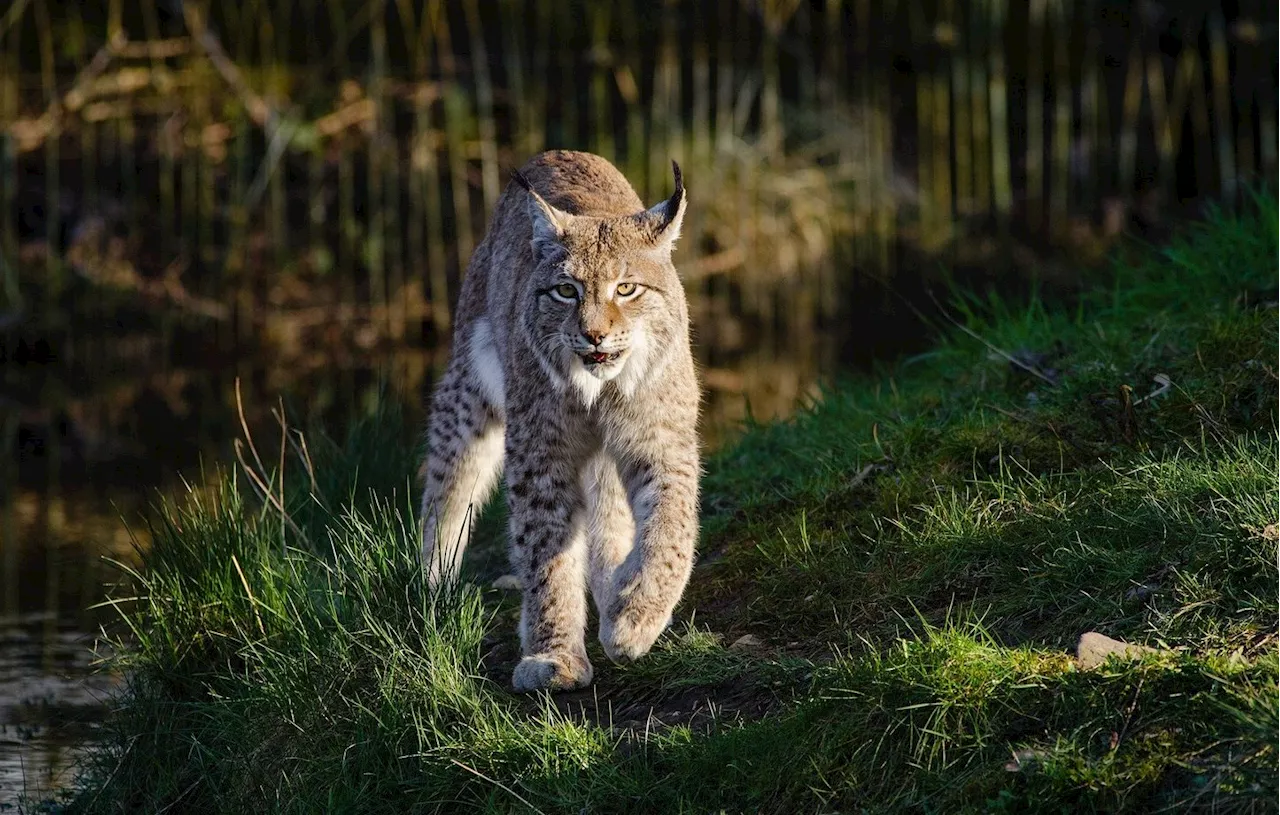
915	556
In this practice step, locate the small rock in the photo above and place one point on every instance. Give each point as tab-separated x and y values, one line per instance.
1094	649
1271	532
744	642
508	582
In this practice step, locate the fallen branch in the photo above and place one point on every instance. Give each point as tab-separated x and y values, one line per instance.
1031	369
31	134
261	112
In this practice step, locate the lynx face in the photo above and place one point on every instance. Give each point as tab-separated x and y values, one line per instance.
608	299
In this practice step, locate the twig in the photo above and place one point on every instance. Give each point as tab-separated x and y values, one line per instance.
1128	717
863	475
181	795
1008	413
281	134
132	741
259	477
1165	384
299	446
284	440
32	135
498	784
258	109
253	601
1031	369
11	16
264	490
244	425
155	49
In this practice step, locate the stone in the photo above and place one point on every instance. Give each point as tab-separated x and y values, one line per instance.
1094	649
744	642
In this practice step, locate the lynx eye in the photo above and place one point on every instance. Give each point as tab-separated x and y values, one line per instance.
566	291
625	289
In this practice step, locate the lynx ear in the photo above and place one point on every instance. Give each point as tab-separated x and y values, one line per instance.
549	223
663	221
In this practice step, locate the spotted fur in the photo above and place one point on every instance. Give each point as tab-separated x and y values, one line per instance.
572	372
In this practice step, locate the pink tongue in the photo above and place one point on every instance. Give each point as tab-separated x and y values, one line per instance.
598	357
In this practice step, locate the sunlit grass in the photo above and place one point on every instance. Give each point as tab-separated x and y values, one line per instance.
915	556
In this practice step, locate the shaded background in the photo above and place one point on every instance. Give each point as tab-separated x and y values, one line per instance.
287	192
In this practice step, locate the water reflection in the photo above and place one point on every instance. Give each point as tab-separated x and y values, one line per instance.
51	703
52	570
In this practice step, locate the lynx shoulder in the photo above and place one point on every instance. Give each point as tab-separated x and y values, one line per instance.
572	375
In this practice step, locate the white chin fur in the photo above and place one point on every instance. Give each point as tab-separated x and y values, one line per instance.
588	380
627	372
586	383
606	371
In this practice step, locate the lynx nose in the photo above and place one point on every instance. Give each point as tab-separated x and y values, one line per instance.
594	337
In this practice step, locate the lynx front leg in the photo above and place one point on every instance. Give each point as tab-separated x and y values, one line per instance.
465	436
648	584
548	551
611	531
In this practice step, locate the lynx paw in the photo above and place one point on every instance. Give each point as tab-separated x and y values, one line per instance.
552	671
630	634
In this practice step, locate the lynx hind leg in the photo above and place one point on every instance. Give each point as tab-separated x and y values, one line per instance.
464	459
611	530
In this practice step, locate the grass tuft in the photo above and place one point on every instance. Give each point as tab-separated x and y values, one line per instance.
914	558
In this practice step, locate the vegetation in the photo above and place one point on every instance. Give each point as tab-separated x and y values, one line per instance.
243	163
914	558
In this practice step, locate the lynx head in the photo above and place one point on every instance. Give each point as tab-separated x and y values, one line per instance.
608	300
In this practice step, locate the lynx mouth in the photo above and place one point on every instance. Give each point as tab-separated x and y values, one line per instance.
599	358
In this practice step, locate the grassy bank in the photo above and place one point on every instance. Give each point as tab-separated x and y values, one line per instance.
913	560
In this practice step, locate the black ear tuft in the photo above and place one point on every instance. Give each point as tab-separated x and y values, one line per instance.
677	197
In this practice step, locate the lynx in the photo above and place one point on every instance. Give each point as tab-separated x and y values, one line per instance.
572	371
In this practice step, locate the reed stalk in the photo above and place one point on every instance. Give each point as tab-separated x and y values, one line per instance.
1220	81
374	248
1060	164
1093	97
1265	94
52	163
11	556
739	93
997	93
1034	156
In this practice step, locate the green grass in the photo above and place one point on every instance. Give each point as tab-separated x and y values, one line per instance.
917	555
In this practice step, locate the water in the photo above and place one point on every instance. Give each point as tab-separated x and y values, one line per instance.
52	571
51	702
